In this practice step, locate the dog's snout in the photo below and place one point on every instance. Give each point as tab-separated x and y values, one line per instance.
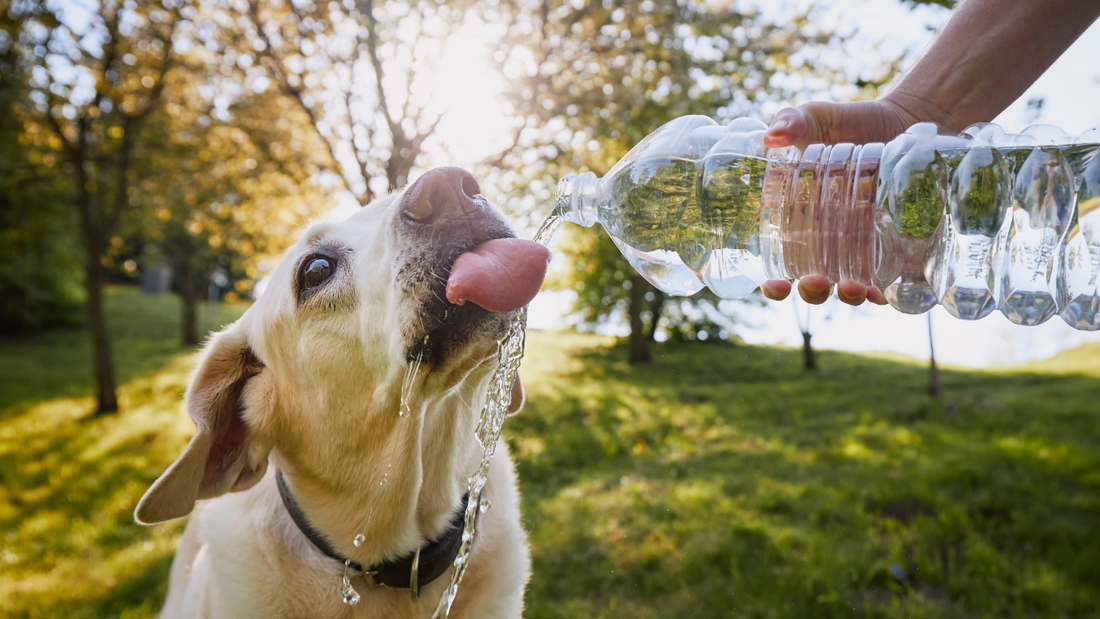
442	193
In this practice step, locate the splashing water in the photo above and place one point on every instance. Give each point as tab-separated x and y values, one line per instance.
406	383
497	400
348	592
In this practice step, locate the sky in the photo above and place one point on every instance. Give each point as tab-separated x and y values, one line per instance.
1069	90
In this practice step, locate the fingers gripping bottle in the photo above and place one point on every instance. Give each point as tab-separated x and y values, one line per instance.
977	222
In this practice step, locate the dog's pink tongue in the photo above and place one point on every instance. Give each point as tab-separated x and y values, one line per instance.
501	275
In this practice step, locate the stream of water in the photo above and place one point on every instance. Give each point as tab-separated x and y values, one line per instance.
497	399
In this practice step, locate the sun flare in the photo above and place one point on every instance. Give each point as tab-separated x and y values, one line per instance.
474	125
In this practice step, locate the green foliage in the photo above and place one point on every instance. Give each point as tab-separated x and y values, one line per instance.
604	281
595	271
39	257
983	208
920	191
719	481
173	174
224	194
39	250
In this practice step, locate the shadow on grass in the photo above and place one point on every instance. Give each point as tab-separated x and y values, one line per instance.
145	335
725	480
70	546
718	481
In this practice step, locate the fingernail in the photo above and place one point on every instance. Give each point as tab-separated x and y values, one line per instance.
815	290
778	125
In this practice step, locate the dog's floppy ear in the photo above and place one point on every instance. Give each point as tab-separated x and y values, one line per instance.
223	456
518	397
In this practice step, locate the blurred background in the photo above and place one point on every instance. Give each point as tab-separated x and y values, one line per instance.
677	456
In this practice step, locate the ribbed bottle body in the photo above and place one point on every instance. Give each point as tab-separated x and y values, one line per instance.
977	222
819	209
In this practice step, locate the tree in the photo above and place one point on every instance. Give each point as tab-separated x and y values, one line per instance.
38	285
235	176
96	73
360	73
933	371
809	359
606	290
591	80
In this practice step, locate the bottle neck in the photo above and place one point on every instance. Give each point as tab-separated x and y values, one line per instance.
576	199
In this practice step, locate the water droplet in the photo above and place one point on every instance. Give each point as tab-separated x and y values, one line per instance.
359	539
383	482
484	505
348	593
407	382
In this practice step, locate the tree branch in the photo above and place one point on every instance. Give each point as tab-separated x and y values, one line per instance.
498	160
278	71
368	195
366	7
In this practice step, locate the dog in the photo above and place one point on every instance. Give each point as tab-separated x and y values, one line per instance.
302	440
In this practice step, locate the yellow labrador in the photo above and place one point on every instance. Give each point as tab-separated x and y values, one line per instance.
301	445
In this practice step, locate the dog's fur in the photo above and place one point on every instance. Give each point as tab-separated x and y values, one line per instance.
310	382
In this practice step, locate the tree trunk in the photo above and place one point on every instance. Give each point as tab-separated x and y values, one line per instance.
808	357
933	372
639	343
655	310
398	168
189	296
106	398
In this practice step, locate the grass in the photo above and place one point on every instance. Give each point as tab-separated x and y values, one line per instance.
726	481
69	546
718	481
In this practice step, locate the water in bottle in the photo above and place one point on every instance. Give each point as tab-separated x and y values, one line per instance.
978	222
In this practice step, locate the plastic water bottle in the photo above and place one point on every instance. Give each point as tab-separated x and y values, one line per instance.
981	221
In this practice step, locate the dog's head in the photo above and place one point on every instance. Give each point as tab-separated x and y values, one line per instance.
324	351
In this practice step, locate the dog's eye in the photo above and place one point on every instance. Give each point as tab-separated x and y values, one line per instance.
316	271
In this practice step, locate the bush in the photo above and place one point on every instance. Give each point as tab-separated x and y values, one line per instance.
40	283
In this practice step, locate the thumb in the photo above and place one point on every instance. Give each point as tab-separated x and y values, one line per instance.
790	126
810	123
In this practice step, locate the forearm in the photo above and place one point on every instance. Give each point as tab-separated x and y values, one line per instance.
989	53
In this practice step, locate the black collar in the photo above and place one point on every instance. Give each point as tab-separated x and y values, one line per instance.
412	571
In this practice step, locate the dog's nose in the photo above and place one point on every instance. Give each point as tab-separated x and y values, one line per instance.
442	193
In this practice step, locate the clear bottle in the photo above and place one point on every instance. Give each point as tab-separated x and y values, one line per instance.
981	221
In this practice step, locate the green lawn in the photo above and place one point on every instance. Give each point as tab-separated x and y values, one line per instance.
720	481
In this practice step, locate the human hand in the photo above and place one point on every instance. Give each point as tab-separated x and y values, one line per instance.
819	122
861	122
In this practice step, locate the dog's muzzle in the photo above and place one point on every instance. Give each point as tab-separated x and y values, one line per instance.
440	217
